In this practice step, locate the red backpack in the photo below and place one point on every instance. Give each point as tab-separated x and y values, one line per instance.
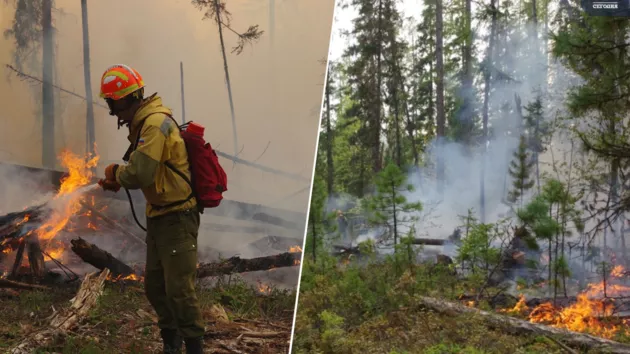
208	179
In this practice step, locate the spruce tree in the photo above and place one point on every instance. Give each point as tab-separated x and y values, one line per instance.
520	170
389	207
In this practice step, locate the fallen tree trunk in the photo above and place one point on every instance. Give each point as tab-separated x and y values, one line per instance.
99	258
520	327
428	241
339	250
65	320
6	283
239	265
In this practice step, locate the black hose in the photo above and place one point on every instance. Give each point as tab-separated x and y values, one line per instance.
133	211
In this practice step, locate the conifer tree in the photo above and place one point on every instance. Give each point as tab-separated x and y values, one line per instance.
520	170
389	207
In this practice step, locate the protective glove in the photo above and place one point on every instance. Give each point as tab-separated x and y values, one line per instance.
109	185
110	172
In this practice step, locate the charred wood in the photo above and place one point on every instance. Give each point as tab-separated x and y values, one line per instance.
99	258
240	265
339	250
428	241
35	256
273	220
521	327
19	255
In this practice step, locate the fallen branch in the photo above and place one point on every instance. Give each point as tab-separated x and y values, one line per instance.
517	326
263	334
99	258
6	283
65	320
239	265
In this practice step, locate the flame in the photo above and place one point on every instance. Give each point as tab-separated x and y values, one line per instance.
295	249
132	277
612	289
263	288
520	307
584	315
79	175
54	253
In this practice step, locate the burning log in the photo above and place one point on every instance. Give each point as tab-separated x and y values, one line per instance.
12	225
239	265
517	326
35	256
99	258
65	320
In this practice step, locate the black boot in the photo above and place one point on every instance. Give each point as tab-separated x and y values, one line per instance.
172	341
194	345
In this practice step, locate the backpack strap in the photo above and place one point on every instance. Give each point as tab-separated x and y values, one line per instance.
133	148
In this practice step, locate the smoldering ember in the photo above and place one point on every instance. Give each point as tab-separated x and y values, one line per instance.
77	229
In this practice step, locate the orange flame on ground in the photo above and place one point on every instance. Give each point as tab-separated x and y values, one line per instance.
295	249
584	315
263	288
131	277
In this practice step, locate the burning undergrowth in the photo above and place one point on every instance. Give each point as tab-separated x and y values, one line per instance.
603	309
48	244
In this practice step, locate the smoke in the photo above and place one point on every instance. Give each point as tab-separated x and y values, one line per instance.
277	91
464	166
20	188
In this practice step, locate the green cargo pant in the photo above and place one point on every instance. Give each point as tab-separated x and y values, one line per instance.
170	272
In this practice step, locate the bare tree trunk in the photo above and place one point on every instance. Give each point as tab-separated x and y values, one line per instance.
88	79
181	76
439	98
329	139
376	148
486	98
48	104
217	10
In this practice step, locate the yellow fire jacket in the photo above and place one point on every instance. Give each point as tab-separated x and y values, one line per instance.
159	142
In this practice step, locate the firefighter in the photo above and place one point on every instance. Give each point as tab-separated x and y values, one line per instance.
172	216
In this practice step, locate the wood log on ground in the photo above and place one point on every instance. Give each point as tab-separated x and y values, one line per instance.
274	220
339	250
6	283
240	265
65	320
99	258
428	241
521	327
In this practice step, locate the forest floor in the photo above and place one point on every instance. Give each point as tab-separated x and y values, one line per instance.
376	310
238	319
